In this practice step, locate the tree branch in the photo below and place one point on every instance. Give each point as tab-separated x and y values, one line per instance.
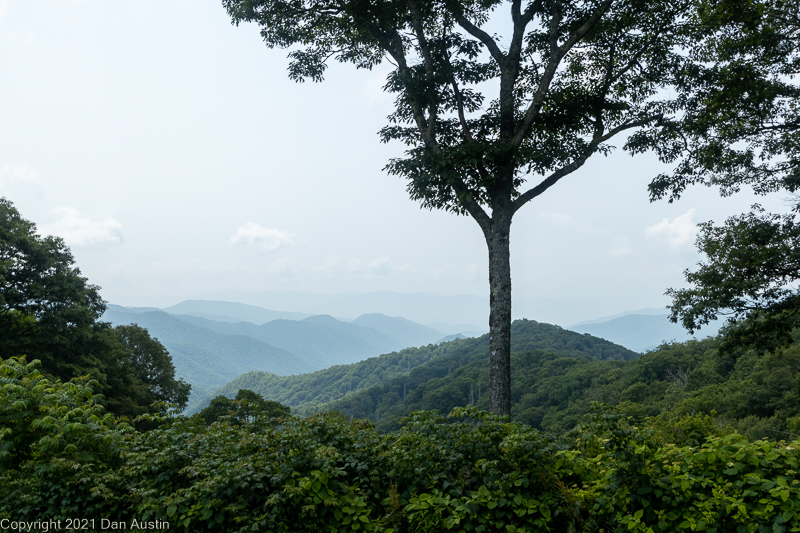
579	34
597	139
393	44
557	53
478	33
459	102
471	206
429	67
521	21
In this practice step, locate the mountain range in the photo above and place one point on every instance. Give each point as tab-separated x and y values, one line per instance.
642	330
217	344
209	352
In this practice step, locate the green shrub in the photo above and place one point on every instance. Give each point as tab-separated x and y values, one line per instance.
63	458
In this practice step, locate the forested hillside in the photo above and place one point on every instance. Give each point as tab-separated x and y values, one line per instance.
758	396
414	366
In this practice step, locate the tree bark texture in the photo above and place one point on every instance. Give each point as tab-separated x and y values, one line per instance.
497	240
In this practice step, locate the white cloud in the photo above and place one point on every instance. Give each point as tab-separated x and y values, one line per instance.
353	265
16	39
474	272
264	239
13	39
13	174
558	218
382	266
83	232
680	231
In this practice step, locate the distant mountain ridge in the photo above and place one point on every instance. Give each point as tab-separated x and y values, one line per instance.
238	349
660	311
422	308
231	311
642	332
205	358
404	332
322	341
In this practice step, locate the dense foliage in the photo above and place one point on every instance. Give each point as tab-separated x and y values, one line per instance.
469	471
757	396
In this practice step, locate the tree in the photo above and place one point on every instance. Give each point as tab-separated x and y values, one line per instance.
50	313
741	127
751	263
570	76
246	407
144	374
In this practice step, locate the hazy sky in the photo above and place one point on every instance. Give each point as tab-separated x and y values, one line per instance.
171	152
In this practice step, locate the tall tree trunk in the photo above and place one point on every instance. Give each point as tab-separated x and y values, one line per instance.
497	240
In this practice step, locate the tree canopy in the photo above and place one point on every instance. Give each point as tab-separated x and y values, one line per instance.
246	407
142	374
48	310
740	128
492	121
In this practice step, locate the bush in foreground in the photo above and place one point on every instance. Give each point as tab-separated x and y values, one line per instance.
62	458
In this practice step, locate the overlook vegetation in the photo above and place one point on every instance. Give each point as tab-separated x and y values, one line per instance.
257	469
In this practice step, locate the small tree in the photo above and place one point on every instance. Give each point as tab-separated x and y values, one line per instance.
148	375
569	76
246	407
